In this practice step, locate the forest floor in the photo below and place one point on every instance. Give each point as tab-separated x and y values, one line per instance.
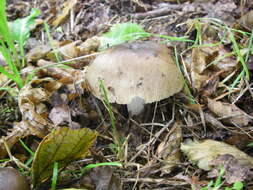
59	135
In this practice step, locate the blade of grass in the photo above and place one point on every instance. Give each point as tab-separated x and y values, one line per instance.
90	166
47	29
26	147
55	176
108	107
238	53
8	49
186	87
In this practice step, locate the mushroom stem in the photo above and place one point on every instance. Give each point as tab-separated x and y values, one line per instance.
136	106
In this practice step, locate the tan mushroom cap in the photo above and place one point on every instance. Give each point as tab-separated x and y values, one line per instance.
138	69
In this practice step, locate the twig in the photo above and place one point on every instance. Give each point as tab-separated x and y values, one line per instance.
157	12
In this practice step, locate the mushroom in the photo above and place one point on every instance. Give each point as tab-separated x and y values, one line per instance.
135	74
10	179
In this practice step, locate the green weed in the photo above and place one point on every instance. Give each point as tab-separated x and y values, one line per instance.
19	33
55	176
123	32
118	142
90	166
217	184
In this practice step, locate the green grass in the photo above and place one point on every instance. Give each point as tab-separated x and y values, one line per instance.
117	147
8	50
90	166
55	176
230	34
217	184
9	37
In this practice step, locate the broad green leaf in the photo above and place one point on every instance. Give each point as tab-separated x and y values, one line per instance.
20	28
120	33
63	145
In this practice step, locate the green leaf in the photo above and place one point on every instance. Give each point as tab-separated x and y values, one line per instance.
63	145
120	33
20	28
250	144
238	185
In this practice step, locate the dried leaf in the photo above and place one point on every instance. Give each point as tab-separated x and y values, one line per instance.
70	75
247	20
63	146
60	114
234	171
197	67
67	7
90	45
230	111
20	130
67	51
32	98
203	153
37	53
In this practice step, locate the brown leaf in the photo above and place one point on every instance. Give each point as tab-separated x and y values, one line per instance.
232	113
204	152
66	76
67	51
68	5
32	98
247	20
60	114
63	145
20	130
234	171
37	53
198	66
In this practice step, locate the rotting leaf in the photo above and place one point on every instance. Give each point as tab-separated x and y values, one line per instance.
60	114
32	98
234	171
197	67
67	51
63	145
247	20
37	53
230	111
20	130
203	153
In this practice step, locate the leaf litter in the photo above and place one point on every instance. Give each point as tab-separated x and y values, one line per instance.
56	101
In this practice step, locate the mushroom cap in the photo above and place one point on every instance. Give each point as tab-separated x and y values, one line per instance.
10	179
138	69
